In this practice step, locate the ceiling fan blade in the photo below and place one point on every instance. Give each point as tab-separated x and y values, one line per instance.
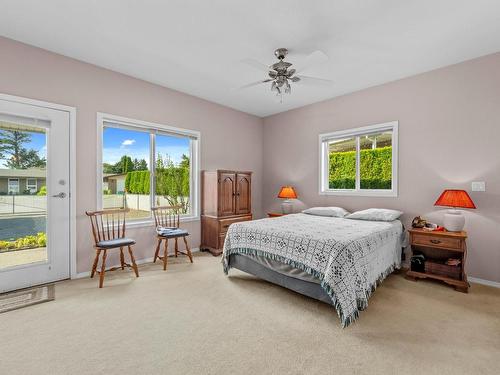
256	64
313	80
317	57
253	84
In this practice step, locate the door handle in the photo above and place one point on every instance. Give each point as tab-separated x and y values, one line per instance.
60	195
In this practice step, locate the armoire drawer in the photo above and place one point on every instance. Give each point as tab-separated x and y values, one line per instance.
225	223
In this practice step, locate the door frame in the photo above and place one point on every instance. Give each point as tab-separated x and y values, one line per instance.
72	167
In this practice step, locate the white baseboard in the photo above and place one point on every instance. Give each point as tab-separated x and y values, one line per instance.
494	284
82	275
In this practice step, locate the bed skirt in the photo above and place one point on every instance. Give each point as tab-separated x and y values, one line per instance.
309	289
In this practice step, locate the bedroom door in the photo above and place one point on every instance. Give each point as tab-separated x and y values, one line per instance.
34	194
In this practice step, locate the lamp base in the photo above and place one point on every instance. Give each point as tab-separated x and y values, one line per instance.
286	207
454	221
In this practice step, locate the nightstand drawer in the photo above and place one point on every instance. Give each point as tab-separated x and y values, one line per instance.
433	241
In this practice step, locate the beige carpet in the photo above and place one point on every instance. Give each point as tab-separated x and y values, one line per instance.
194	320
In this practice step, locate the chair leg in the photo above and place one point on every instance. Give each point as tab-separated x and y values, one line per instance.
188	250
157	250
176	247
132	259
165	255
103	269
96	260
122	258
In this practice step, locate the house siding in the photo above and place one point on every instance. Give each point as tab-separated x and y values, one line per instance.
4	184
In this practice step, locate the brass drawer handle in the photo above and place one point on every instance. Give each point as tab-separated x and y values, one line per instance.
435	241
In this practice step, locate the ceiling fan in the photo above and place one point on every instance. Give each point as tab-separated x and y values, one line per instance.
281	74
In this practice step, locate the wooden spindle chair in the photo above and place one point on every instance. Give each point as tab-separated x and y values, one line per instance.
108	229
168	216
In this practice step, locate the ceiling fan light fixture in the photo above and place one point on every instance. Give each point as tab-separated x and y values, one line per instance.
281	75
288	88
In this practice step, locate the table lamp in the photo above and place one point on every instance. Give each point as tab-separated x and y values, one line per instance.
287	193
454	220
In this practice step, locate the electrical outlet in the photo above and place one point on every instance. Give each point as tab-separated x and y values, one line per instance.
478	186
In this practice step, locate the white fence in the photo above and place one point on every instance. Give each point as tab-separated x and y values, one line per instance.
22	204
36	204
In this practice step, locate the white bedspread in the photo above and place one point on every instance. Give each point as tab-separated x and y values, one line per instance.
348	256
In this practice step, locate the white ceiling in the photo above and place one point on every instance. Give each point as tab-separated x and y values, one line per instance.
197	46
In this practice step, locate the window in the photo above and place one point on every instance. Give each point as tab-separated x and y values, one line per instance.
360	161
146	165
31	185
13	186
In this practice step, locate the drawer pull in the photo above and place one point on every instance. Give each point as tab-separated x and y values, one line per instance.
435	241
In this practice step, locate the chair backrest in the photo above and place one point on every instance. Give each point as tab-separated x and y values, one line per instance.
167	216
107	224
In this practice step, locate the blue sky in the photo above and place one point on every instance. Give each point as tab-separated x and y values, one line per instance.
38	143
119	142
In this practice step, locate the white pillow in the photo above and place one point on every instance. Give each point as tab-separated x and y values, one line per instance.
375	214
326	211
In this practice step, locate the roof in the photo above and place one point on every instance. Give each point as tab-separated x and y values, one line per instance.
33	172
114	175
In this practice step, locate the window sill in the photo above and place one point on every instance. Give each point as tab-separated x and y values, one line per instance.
151	223
361	193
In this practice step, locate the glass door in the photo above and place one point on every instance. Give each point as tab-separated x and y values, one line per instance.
34	195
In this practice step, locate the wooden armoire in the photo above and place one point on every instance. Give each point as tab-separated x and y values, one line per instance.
226	198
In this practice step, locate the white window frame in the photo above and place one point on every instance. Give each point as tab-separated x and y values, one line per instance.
9	191
31	187
325	138
134	124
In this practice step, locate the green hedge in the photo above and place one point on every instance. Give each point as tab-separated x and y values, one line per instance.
375	169
172	183
137	182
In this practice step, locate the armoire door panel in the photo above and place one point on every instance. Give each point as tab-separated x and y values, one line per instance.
243	193
227	194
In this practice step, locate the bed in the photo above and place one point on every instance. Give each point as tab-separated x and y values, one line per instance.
335	260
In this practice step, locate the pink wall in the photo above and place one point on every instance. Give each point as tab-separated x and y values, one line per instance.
449	132
34	73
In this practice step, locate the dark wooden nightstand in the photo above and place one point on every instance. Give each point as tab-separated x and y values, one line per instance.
437	247
275	214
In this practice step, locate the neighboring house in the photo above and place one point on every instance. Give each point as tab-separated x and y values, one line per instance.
19	181
115	183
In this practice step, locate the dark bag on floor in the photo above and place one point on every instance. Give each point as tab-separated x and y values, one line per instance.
417	263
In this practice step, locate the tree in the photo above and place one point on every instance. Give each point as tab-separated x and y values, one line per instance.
26	159
140	165
184	162
108	168
126	164
172	182
18	157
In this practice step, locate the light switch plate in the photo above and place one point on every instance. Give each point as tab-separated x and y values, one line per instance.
478	186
